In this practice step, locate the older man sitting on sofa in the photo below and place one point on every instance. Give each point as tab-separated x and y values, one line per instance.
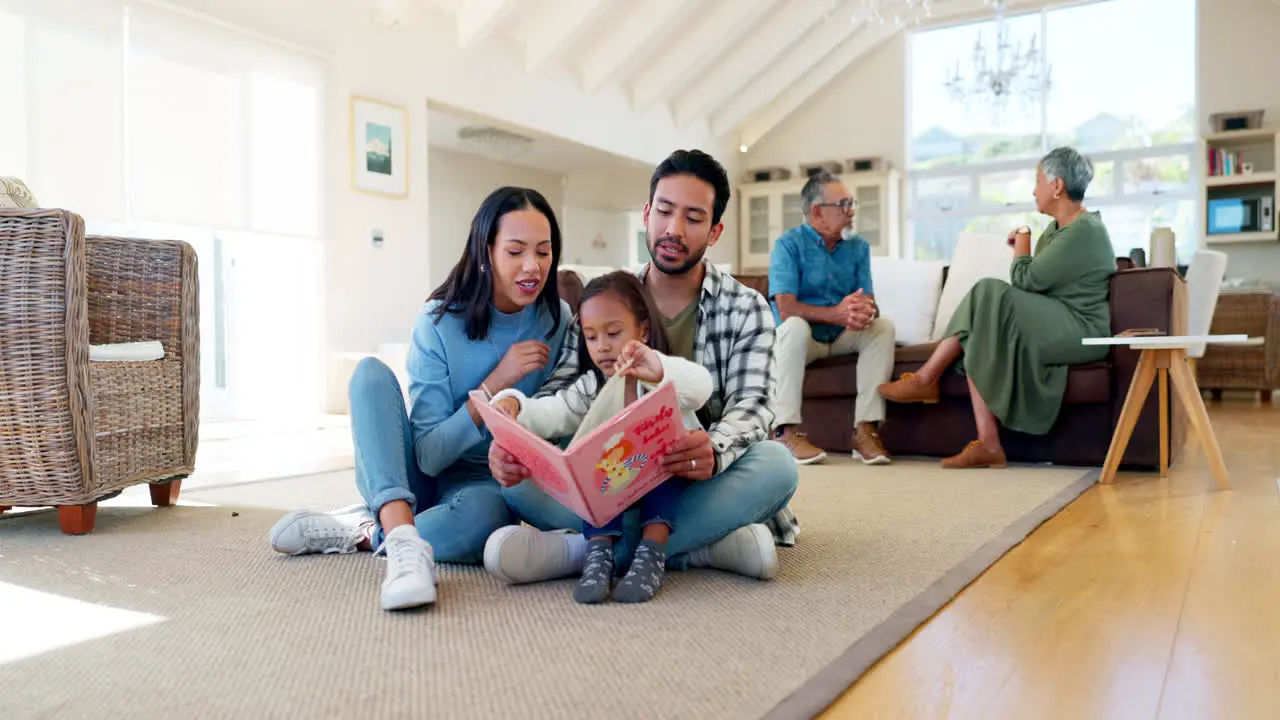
824	304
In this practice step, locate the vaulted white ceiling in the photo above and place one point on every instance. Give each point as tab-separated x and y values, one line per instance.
738	66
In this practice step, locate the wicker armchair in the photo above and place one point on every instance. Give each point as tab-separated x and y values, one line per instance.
73	432
1254	366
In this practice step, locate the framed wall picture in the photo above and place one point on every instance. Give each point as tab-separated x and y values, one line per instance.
379	147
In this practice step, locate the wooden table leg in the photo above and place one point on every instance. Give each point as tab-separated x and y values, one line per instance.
1189	393
1139	388
1162	377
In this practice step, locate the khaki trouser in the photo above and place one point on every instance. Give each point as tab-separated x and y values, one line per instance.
796	348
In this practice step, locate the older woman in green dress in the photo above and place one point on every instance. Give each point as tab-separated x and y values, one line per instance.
1018	338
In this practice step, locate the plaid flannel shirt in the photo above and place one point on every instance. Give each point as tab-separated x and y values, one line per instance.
735	341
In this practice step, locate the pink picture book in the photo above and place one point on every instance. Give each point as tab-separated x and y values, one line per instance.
606	470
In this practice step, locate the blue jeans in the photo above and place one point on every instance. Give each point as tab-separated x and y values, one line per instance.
456	511
657	506
751	490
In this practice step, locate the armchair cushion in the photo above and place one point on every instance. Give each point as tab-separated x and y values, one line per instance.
127	352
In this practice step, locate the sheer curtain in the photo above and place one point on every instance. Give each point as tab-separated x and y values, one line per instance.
153	122
61	127
234	118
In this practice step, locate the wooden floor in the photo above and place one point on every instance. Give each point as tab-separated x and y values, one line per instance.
1149	598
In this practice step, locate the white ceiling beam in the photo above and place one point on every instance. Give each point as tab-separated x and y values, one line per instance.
628	35
557	24
761	49
477	19
802	57
696	48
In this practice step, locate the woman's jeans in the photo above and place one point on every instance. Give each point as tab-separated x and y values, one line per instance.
751	490
456	511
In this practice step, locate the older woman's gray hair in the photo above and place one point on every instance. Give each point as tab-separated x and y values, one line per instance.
1075	170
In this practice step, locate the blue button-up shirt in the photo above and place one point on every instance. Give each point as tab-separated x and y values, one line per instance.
802	266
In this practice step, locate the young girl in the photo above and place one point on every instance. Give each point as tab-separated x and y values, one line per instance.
621	332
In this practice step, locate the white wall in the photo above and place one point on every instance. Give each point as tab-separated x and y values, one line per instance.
596	203
459	182
1238	52
859	113
582	226
373	295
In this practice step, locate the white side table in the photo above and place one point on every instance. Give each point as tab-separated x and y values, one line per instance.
1165	356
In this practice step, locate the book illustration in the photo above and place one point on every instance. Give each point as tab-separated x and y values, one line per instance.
606	470
620	464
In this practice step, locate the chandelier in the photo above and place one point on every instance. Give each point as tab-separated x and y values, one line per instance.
899	13
1015	72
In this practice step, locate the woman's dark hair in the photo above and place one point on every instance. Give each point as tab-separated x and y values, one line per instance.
468	290
632	294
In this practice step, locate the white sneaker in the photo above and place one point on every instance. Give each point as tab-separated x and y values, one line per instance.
517	554
746	551
411	570
308	531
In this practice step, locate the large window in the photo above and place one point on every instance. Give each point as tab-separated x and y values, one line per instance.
153	123
1122	92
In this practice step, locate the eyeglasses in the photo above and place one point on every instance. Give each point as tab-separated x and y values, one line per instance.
845	204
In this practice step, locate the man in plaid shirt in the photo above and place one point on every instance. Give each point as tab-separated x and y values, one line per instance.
735	511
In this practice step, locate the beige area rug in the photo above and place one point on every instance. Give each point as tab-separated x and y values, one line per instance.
186	612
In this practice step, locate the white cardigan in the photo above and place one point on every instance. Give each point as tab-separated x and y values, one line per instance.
559	415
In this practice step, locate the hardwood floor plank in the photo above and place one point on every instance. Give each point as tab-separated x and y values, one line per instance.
1117	607
1226	662
1105	651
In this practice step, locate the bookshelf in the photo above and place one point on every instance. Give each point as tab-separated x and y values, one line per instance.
1240	164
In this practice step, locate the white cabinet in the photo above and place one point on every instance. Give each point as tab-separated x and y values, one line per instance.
768	209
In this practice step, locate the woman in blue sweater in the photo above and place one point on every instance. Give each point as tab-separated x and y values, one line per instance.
497	322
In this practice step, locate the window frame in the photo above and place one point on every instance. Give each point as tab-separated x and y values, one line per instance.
973	205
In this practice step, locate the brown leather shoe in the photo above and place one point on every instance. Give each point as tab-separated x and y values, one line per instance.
975	455
867	447
804	452
909	389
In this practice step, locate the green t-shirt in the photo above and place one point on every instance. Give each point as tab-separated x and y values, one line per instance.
682	330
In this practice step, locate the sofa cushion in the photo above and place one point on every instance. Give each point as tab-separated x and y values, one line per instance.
907	292
15	194
975	257
837	377
839	380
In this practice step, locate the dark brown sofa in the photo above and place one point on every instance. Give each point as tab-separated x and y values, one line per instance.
1142	298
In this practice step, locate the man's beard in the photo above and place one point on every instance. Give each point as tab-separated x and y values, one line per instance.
849	231
692	260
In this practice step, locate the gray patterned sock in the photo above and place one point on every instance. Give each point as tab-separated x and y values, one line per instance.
597	573
644	577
